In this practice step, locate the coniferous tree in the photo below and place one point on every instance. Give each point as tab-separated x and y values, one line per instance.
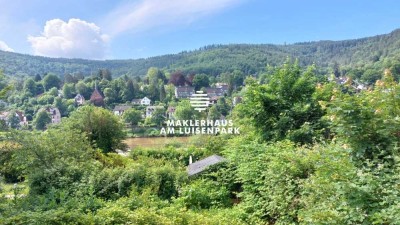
38	78
129	92
162	93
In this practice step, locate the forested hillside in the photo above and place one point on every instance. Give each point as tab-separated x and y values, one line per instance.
372	53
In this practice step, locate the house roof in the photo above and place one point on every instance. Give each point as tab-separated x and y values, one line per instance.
121	107
96	95
97	98
201	165
185	89
139	100
52	110
20	115
214	90
79	96
136	100
214	98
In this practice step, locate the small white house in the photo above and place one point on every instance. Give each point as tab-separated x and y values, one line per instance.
79	99
151	109
54	114
120	109
142	101
145	101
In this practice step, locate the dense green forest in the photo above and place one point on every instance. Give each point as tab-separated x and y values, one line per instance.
347	57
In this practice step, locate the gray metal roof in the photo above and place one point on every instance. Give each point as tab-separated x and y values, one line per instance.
121	107
201	165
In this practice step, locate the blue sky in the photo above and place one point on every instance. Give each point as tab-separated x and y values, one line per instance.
122	29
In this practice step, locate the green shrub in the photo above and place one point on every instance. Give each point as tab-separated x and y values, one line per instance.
9	169
114	214
113	183
105	183
203	194
169	181
111	159
53	159
50	217
129	178
170	154
274	178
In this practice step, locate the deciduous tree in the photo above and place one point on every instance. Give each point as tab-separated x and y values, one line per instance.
200	80
50	81
158	116
184	111
177	78
285	106
102	128
30	87
41	120
132	116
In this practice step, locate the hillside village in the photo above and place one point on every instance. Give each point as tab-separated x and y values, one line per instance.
41	101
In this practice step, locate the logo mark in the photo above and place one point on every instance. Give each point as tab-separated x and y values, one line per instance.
200	101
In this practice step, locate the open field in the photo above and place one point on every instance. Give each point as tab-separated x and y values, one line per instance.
156	142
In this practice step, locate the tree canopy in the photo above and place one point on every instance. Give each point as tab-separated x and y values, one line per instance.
285	107
103	129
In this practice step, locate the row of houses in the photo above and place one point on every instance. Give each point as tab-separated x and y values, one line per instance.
120	109
343	80
54	113
97	99
214	93
219	90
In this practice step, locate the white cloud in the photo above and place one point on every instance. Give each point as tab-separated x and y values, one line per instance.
152	13
73	39
5	47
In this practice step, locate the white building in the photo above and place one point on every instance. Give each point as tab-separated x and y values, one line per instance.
184	92
151	109
54	114
142	101
120	109
79	99
20	115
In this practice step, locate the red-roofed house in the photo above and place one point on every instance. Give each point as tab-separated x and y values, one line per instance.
97	98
